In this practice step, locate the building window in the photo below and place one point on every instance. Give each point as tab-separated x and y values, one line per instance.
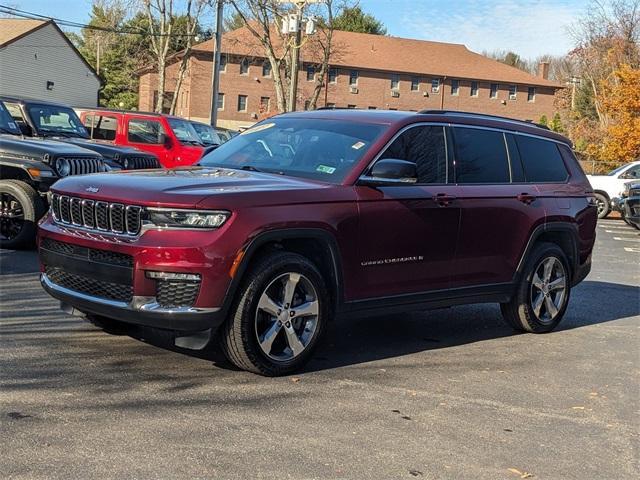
311	73
333	75
265	104
351	106
531	94
223	63
242	103
353	78
266	68
435	85
474	89
220	101
513	92
455	86
493	90
244	67
415	84
395	81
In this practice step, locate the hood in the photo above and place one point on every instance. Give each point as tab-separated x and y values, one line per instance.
183	187
107	150
38	148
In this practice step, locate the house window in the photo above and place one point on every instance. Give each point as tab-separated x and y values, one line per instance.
242	103
395	81
333	75
415	84
513	92
351	107
223	63
311	73
265	104
455	86
435	85
266	68
531	94
353	78
474	89
493	90
244	67
220	101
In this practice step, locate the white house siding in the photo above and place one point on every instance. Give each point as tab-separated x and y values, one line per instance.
44	55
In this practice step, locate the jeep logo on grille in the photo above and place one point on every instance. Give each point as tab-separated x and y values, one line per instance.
92	189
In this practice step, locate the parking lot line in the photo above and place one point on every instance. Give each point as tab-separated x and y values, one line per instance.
627	239
632	249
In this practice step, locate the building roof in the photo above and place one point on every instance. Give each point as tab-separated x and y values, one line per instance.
393	54
11	29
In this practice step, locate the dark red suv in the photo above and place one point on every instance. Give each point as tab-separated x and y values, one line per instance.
312	216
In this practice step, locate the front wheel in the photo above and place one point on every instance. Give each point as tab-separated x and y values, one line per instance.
542	293
20	209
279	317
602	202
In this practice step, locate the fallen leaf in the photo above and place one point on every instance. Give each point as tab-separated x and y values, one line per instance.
522	474
295	379
413	393
577	408
415	473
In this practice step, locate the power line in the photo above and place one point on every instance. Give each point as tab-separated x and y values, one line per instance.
68	23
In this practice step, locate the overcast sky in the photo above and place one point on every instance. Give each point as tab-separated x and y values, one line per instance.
528	27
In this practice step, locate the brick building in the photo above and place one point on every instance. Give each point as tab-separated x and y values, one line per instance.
367	71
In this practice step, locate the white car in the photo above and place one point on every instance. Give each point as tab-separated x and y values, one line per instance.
608	188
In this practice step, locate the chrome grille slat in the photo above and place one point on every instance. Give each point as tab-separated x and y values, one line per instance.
102	216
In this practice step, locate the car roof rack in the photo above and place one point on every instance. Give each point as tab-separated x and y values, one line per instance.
484	115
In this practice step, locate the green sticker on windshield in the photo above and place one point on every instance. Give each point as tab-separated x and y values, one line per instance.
325	169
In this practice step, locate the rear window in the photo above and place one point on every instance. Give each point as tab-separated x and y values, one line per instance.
145	131
481	156
541	160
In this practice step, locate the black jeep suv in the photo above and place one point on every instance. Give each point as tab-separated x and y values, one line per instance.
28	167
37	118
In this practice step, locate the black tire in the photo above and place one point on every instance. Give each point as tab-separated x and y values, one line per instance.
239	335
603	205
519	313
31	207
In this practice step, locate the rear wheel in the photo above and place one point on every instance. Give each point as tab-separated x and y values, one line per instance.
279	316
543	291
20	209
602	202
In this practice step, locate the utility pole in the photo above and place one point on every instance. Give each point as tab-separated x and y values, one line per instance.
295	60
215	84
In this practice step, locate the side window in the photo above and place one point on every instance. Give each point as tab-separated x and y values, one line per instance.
426	146
481	156
145	131
631	173
101	127
541	160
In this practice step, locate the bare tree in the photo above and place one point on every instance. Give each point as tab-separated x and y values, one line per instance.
160	11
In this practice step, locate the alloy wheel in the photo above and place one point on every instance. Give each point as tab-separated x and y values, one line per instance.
548	289
11	216
601	205
287	316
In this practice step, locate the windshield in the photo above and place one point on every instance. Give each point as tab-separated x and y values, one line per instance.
183	130
206	133
323	150
56	120
7	125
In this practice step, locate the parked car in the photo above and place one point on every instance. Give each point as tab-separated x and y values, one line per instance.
630	204
207	134
608	188
172	139
313	215
37	118
28	168
226	134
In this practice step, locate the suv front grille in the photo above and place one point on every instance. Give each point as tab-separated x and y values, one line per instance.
90	286
137	163
102	216
177	293
84	165
84	253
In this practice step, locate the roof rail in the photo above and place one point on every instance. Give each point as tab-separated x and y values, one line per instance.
483	115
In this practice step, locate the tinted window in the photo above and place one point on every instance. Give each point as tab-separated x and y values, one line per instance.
426	147
541	160
101	127
481	156
145	131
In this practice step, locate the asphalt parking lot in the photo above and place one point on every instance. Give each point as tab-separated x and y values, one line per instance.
446	394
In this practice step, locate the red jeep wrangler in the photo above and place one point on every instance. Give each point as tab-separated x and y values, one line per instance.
315	215
172	139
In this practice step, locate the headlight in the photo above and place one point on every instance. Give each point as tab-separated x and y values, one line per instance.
63	167
168	218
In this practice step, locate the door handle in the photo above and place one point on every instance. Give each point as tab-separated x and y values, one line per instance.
526	198
443	199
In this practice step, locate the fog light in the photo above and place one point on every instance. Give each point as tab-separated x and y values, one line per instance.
173	276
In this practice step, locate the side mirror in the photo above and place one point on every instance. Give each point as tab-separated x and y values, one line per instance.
390	171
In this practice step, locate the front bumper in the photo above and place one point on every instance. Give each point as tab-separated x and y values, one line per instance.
140	311
631	210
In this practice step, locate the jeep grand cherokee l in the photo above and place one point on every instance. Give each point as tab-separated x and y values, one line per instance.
315	215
